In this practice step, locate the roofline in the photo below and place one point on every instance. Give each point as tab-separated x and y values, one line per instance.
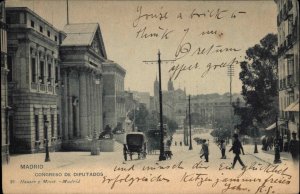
115	65
33	13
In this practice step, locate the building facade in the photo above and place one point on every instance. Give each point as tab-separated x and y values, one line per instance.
114	112
4	92
32	60
82	53
288	65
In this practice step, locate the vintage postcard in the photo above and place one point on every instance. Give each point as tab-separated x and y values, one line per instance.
150	97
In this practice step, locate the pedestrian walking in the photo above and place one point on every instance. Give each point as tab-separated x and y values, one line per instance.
222	147
236	148
204	151
294	147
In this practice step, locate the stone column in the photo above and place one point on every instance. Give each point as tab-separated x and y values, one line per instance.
93	103
97	105
88	103
83	104
101	105
65	106
70	109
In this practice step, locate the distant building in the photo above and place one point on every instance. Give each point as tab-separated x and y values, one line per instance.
142	97
82	54
32	60
288	65
4	92
174	102
113	94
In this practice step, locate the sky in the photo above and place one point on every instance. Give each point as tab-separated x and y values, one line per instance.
203	37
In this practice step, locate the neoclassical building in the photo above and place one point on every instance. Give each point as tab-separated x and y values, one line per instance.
32	60
113	94
82	53
4	71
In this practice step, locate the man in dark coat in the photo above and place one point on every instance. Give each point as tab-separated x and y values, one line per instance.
205	150
294	148
236	148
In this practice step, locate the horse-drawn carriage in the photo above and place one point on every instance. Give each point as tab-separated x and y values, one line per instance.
135	144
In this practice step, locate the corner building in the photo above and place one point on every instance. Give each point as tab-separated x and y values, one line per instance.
4	92
32	60
288	66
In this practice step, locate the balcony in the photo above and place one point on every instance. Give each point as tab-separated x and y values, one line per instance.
290	81
43	87
34	86
50	88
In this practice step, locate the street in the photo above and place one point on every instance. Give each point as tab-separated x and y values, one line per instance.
185	172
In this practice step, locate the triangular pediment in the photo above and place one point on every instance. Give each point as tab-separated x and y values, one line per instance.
97	44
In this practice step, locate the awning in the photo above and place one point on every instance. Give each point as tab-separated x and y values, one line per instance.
293	107
274	125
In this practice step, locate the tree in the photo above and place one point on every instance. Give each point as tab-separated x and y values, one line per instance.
259	78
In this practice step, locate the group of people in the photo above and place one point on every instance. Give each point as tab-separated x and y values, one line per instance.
236	148
267	143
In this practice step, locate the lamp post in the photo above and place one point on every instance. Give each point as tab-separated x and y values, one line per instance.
159	61
8	110
255	135
277	148
190	123
95	150
46	124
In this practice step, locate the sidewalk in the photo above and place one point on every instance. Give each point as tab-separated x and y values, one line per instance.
266	156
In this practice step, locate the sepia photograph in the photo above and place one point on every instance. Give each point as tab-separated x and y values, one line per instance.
150	96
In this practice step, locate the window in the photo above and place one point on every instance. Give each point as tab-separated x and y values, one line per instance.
22	18
45	119
49	73
33	70
41	29
32	23
56	74
52	125
58	126
42	72
290	65
9	66
48	33
36	126
13	18
55	38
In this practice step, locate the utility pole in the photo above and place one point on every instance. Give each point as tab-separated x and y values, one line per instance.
190	123
67	11
231	74
159	61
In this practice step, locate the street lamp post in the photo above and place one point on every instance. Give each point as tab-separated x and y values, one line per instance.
277	148
95	150
255	135
162	152
46	124
190	124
